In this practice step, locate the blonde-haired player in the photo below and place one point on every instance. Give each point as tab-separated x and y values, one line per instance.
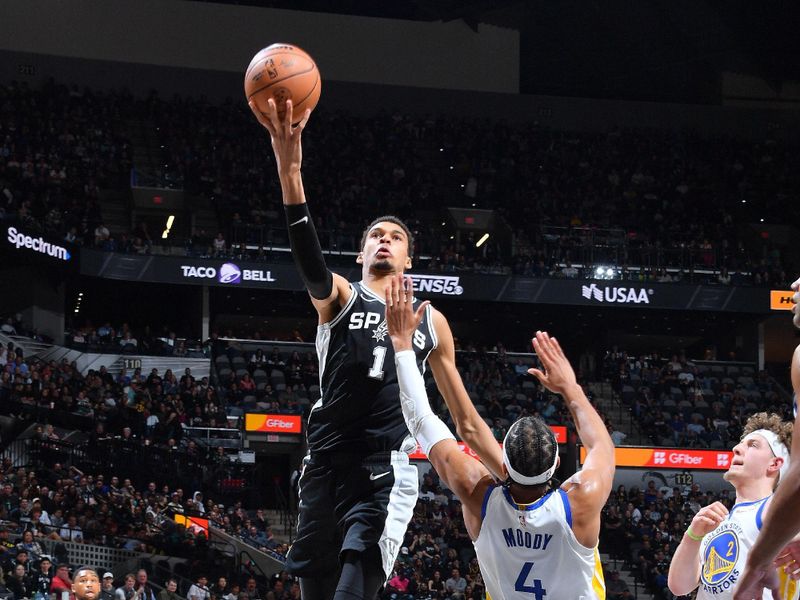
774	547
714	549
532	542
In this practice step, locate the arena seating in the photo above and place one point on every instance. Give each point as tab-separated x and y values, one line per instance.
630	191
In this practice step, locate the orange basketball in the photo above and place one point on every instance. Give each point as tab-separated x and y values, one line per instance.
283	72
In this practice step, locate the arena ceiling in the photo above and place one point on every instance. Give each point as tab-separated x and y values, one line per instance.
667	50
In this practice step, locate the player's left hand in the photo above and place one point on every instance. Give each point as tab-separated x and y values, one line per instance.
789	559
401	318
753	581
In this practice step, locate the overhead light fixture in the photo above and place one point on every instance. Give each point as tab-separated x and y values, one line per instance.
170	221
481	241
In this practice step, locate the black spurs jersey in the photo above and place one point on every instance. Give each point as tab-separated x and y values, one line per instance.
359	411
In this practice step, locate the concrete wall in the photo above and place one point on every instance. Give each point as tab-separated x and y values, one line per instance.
204	35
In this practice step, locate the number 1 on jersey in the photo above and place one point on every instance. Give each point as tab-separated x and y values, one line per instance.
376	371
536	589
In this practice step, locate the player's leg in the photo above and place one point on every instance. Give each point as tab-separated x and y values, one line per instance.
378	499
318	588
362	575
314	555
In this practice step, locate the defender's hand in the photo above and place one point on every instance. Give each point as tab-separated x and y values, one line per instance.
285	137
558	375
753	581
401	318
789	559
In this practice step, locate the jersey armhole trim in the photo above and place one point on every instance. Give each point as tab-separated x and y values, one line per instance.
759	521
345	308
567	508
485	503
431	326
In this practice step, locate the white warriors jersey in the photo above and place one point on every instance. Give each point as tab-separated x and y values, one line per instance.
724	551
530	552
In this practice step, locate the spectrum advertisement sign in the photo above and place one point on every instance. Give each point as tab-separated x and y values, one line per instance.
670	458
37	246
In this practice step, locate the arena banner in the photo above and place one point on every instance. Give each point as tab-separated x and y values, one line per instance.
670	458
780	300
270	423
460	285
559	430
25	245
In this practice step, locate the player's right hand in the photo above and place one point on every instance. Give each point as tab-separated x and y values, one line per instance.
558	375
708	518
401	318
796	300
285	137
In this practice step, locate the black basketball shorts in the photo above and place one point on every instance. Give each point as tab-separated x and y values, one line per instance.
352	503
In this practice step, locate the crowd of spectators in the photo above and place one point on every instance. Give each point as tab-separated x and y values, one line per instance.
123	339
43	509
436	560
641	528
678	402
650	199
59	147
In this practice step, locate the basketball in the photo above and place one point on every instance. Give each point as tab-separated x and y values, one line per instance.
283	72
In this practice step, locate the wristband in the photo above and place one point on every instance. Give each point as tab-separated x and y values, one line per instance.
692	536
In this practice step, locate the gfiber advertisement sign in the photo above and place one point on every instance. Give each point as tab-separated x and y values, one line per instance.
670	458
271	423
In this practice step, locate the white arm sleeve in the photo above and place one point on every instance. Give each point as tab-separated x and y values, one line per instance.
424	425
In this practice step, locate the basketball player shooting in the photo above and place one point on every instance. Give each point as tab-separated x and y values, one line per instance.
533	541
357	489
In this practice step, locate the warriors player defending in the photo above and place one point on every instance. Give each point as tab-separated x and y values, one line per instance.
357	489
714	549
533	542
774	546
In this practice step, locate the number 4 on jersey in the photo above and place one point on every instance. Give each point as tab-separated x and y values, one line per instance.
536	589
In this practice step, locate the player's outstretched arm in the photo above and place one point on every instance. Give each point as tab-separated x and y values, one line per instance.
782	517
467	477
470	426
325	288
589	489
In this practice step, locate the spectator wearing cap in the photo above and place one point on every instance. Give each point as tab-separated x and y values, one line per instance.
42	577
20	558
62	582
6	545
170	591
107	586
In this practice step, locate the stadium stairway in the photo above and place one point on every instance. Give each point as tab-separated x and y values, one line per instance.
610	405
268	564
282	527
636	589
